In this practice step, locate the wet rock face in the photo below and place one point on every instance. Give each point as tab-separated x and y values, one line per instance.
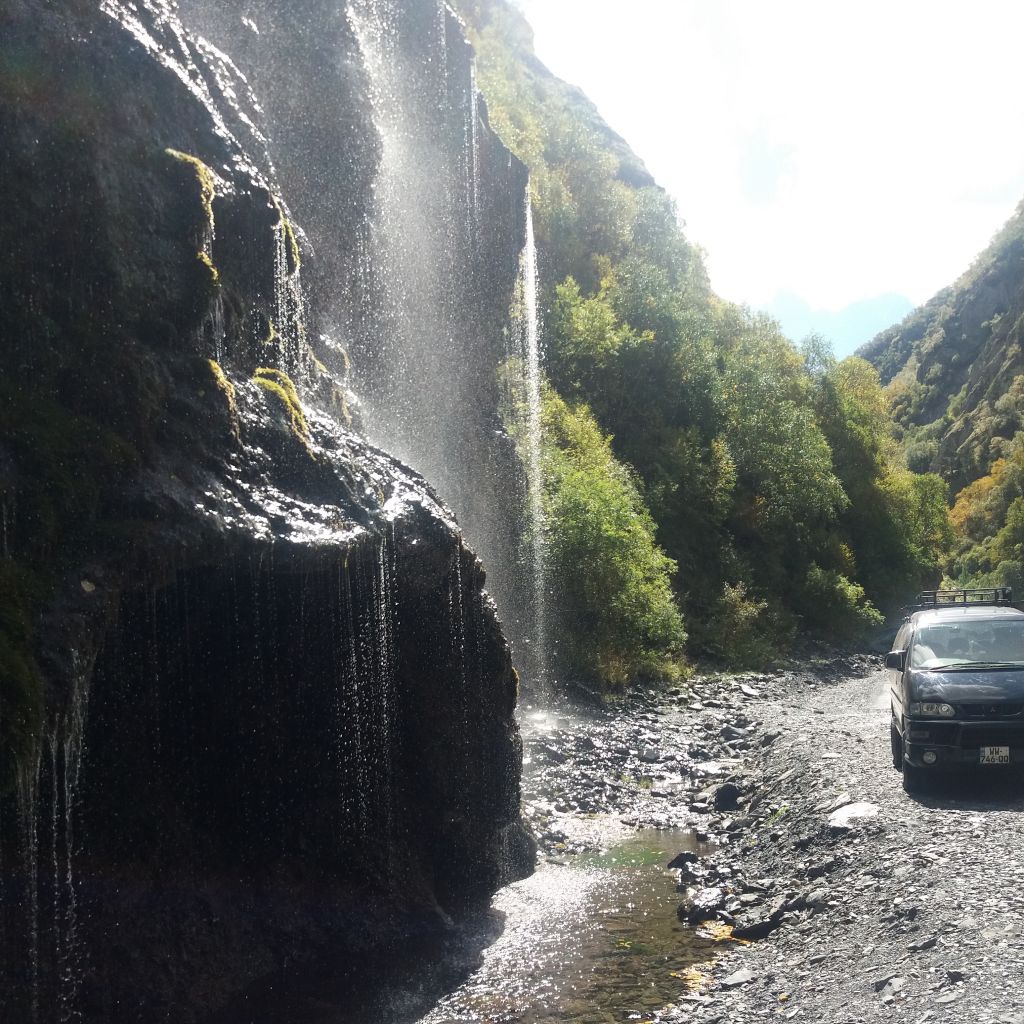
416	212
254	700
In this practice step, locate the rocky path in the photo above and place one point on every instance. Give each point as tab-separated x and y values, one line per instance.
862	903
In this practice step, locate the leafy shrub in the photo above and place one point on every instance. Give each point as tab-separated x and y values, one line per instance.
758	463
618	616
837	606
744	632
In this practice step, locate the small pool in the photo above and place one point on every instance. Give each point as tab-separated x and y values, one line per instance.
594	940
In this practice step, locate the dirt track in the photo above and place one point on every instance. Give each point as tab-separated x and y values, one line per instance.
914	912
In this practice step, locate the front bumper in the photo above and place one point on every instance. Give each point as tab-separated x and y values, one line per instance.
960	743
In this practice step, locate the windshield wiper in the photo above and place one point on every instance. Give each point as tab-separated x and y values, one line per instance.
958	665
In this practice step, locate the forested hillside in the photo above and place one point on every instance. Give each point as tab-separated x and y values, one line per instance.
955	372
767	475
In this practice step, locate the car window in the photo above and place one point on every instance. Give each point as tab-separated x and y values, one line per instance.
944	644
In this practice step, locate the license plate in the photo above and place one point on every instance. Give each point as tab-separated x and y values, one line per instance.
995	755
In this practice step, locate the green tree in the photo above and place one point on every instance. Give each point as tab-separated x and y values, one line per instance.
618	614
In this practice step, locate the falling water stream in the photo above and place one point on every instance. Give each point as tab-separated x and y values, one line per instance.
531	334
422	365
50	779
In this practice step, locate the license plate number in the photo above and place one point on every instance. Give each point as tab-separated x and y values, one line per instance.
995	755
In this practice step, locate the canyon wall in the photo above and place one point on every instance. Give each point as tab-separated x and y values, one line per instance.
255	701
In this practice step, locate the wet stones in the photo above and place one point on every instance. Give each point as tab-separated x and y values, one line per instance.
727	797
703	904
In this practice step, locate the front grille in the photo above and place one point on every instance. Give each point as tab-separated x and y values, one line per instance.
974	736
990	711
942	733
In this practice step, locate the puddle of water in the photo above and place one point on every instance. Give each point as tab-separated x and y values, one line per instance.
595	941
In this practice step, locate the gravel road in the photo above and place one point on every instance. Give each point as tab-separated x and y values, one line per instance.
874	905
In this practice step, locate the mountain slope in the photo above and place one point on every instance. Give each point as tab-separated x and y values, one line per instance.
955	369
771	475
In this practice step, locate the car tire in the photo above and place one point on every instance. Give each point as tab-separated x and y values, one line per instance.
915	779
897	746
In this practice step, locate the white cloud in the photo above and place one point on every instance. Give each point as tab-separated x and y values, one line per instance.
836	151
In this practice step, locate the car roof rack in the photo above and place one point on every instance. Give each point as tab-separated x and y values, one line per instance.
1001	596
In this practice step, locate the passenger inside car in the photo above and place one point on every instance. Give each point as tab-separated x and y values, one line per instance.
921	655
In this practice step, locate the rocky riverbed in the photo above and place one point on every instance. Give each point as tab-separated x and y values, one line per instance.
824	892
737	849
848	900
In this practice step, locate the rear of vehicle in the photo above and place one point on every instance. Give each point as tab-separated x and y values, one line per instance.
957	684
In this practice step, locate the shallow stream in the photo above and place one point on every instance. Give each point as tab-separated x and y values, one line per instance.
591	938
594	940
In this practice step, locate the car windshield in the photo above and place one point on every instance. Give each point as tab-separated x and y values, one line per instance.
948	644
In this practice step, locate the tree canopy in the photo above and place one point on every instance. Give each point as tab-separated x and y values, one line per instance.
765	480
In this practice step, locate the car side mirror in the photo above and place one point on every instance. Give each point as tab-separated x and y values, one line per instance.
896	660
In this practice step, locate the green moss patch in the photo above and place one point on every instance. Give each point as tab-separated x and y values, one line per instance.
293	254
227	390
205	179
278	384
212	272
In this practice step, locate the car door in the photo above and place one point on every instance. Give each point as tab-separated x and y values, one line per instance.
901	643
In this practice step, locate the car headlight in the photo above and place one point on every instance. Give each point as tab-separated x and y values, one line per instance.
927	709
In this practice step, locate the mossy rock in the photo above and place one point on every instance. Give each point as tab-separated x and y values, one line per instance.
205	179
280	386
330	394
228	393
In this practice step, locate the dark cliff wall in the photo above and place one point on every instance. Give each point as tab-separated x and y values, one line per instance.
416	213
254	701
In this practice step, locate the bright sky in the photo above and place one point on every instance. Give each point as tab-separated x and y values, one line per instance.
833	150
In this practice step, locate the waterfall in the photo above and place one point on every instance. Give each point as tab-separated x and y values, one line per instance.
67	746
383	642
28	777
433	282
472	147
530	354
412	326
48	782
364	622
289	304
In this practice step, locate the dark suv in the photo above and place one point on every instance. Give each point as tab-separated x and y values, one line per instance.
957	684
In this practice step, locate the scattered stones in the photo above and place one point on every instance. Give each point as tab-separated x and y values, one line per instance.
702	904
889	981
891	989
683	860
763	925
727	797
842	820
737	978
864	893
830	875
